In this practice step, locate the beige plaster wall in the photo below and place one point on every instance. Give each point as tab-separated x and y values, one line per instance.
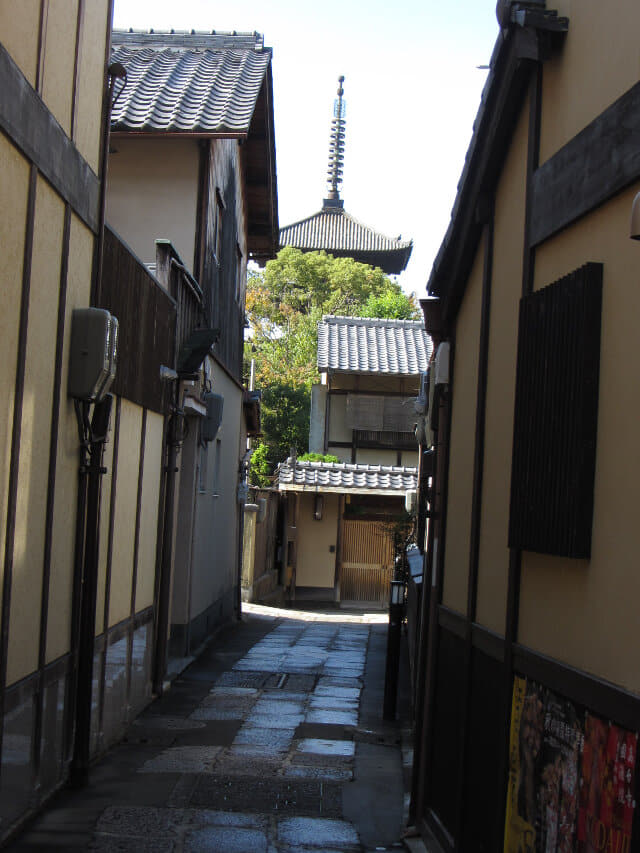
316	564
152	194
151	479
59	60
503	336
463	423
35	437
91	81
19	27
64	513
409	458
215	546
125	512
338	430
599	62
586	612
14	184
369	456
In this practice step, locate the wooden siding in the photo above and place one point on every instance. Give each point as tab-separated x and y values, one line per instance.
225	254
147	325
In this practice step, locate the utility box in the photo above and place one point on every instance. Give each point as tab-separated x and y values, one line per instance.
92	353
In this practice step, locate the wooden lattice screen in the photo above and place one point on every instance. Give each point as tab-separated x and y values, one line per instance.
556	411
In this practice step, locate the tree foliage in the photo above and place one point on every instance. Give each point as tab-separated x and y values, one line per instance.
285	302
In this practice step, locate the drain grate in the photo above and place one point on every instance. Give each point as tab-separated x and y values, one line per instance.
268	796
237	678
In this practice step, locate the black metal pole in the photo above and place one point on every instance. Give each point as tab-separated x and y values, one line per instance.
87	622
396	615
164	589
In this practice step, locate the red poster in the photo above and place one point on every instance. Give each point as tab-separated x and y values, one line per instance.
607	786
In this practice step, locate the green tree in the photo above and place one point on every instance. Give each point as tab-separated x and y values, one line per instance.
285	302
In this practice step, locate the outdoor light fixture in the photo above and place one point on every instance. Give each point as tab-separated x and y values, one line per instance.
635	218
397	592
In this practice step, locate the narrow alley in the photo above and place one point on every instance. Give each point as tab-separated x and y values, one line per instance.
272	741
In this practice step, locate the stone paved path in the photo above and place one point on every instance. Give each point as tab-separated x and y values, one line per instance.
267	744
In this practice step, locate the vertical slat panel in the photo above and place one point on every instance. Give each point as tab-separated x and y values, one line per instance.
367	561
147	317
556	412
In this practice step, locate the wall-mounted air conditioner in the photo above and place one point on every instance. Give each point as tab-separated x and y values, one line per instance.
93	354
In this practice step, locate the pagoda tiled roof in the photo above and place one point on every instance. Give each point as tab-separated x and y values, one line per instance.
336	232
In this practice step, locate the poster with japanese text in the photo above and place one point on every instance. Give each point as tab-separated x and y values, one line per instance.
607	786
571	777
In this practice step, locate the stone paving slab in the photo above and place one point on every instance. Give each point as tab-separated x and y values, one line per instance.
255	749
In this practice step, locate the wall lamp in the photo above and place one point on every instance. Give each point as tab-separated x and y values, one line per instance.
635	218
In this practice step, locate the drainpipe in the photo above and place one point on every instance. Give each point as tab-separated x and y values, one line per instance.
94	440
164	590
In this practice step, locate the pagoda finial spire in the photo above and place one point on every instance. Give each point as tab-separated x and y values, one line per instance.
336	148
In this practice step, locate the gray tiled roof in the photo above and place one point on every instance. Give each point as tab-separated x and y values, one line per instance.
359	345
344	477
189	82
335	231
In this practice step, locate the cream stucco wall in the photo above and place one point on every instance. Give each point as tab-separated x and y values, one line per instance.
151	479
19	26
125	511
215	545
152	194
599	62
59	60
91	80
14	184
503	335
338	429
463	422
585	612
64	512
35	437
369	456
316	564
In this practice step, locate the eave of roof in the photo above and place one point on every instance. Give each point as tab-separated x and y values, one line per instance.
191	65
336	232
517	52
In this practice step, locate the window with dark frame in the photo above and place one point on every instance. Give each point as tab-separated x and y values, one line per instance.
239	277
218	228
556	414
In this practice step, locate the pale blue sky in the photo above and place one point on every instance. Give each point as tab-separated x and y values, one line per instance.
412	90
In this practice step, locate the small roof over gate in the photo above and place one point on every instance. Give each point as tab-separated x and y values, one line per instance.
345	478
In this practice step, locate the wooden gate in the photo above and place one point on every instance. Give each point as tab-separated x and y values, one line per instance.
366	565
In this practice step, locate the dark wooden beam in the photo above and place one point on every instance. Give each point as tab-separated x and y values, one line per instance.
599	162
30	126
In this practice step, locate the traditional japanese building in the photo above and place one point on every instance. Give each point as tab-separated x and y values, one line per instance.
335	231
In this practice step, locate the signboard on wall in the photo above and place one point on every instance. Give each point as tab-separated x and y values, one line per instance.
571	777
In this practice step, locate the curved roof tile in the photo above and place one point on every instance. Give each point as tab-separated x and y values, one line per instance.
192	83
363	345
345	477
